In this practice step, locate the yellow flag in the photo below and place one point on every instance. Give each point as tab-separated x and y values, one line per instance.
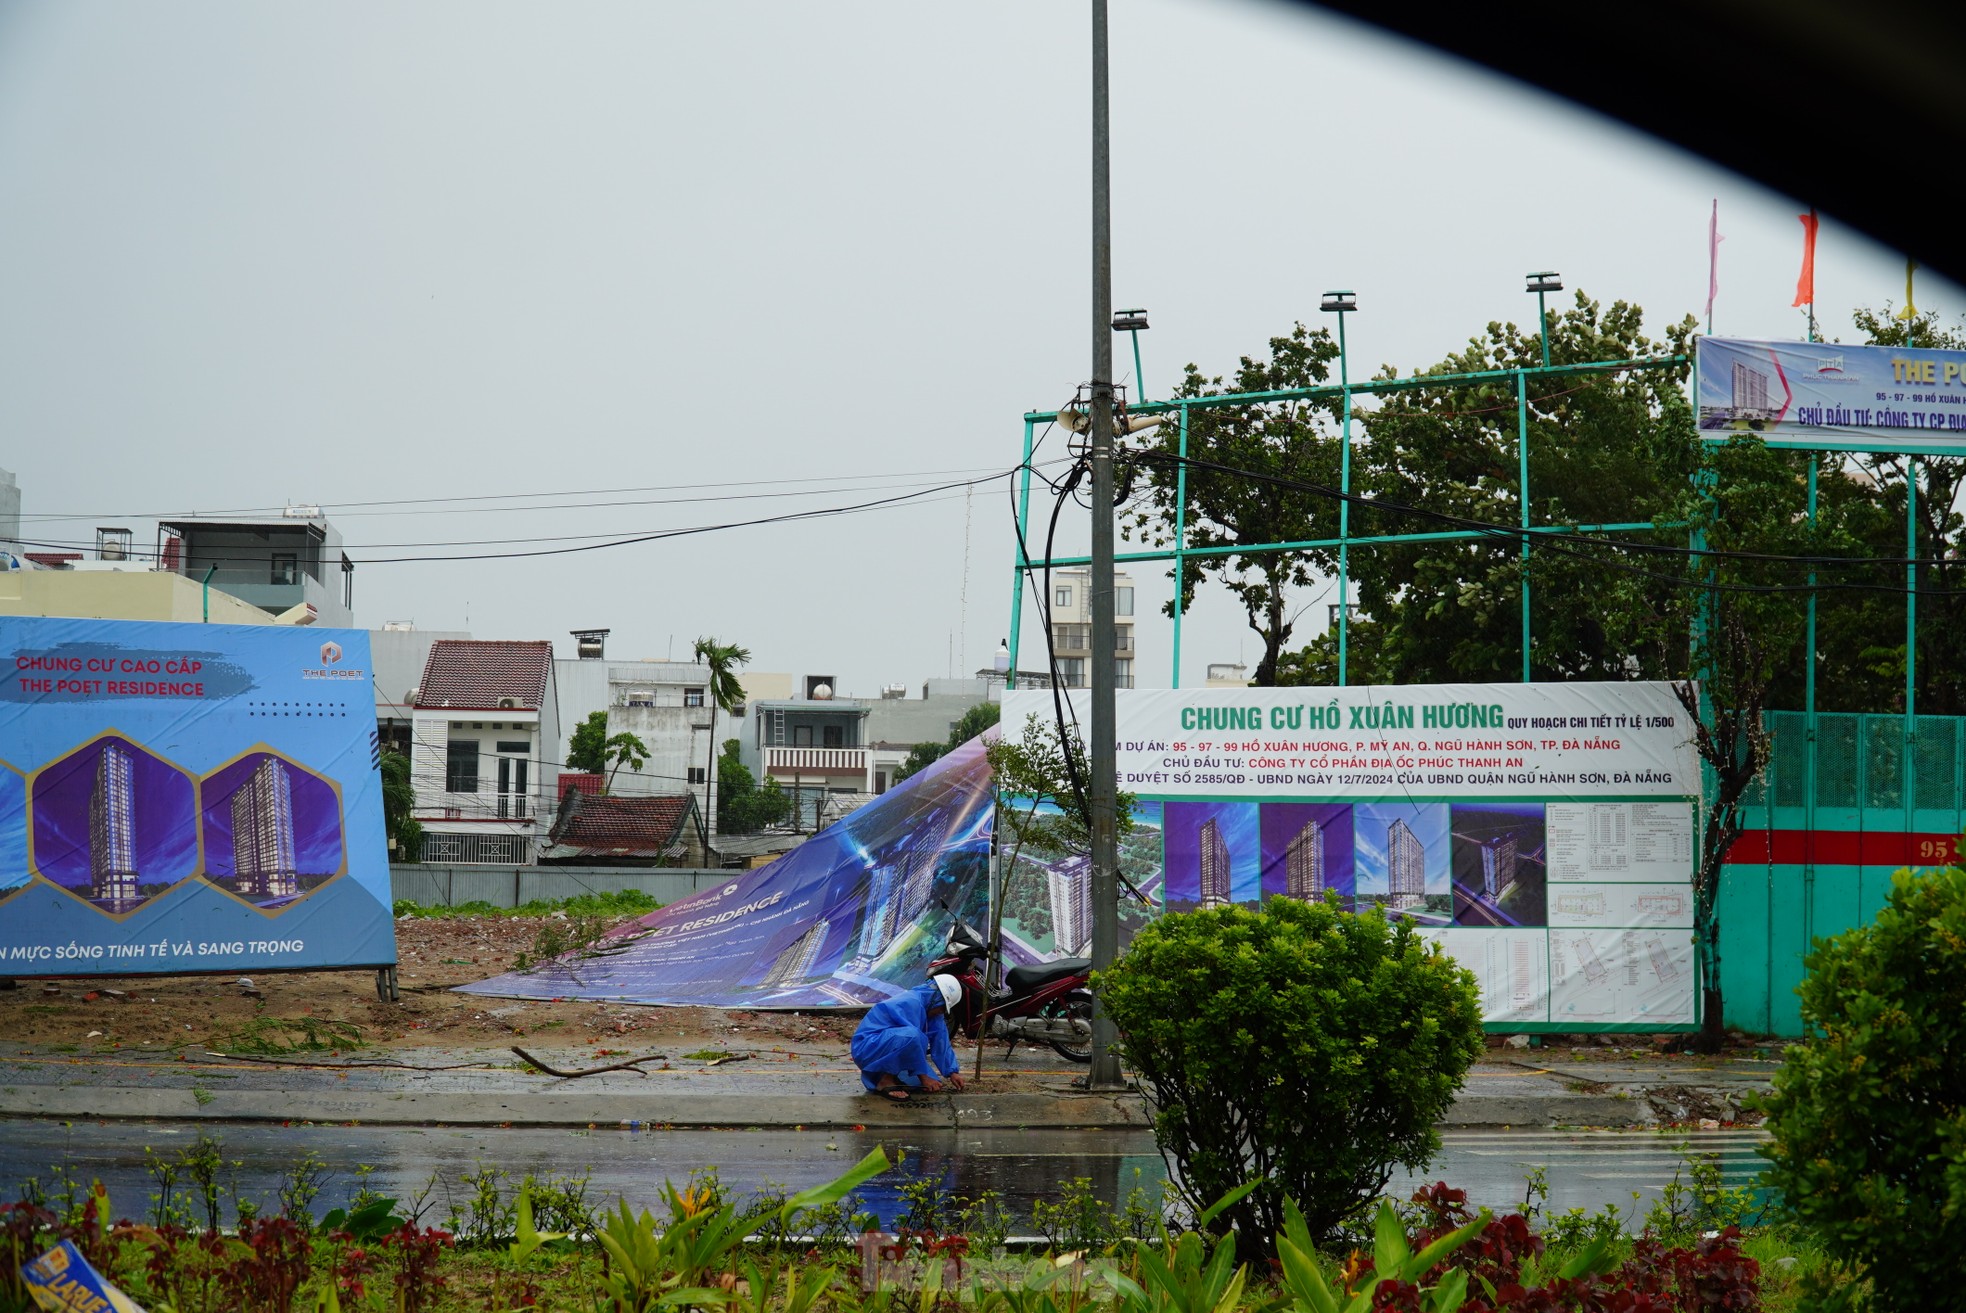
1910	311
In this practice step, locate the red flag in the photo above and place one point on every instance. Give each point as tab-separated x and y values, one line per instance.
1805	285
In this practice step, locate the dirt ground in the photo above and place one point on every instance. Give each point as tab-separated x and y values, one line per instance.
331	1011
328	1011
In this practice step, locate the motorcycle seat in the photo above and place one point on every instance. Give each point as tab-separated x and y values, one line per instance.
1022	980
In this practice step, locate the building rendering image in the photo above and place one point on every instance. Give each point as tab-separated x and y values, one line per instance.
1304	864
112	831
1215	875
1498	865
799	958
1406	868
263	833
1069	886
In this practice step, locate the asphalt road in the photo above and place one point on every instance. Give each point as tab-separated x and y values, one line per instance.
1587	1169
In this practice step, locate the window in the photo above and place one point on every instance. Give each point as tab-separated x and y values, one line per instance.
286	568
801	736
1062	597
1071	670
692	697
512	745
835	737
1123	600
1122	674
1123	639
1072	638
461	768
698	774
880	781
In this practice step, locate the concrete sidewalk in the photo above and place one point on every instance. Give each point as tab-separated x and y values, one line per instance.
815	1087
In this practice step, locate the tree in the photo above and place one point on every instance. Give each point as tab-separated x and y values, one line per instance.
1300	1046
1867	1122
587	749
725	692
1225	508
623	749
398	806
972	722
743	805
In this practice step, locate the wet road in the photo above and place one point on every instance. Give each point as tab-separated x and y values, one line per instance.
1585	1169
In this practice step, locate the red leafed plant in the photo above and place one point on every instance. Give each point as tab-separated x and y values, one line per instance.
417	1251
269	1263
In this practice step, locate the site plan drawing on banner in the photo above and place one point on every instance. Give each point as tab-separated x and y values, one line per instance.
1542	834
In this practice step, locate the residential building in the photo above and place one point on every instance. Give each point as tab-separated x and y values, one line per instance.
896	723
112	831
1227	674
813	745
1498	865
398	653
9	512
665	704
1406	867
1217	881
1303	864
128	591
483	754
1071	628
276	563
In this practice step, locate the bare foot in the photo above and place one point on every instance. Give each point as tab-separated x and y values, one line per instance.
888	1087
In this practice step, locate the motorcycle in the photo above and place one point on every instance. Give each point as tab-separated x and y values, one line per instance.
1049	1002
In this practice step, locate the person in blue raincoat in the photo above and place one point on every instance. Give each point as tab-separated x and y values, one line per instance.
899	1039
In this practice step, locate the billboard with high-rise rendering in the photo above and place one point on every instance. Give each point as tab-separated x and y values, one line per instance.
188	798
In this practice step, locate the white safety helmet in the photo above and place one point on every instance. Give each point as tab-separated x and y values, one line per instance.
952	991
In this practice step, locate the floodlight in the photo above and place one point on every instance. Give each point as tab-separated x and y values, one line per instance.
1129	321
1338	302
1547	281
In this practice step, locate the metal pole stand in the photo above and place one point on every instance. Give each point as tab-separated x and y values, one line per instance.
385	985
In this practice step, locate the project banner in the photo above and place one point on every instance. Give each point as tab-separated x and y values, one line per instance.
1820	394
179	798
1543	834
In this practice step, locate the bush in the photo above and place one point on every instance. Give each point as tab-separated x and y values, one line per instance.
1301	1044
1868	1115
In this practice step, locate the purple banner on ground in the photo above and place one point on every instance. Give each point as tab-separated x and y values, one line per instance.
852	916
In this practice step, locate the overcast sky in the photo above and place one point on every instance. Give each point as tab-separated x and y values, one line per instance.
254	254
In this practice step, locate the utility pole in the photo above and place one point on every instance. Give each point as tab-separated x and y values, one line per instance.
1105	1071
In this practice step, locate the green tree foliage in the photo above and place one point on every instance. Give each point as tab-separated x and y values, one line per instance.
587	750
973	722
1868	1115
1300	1045
623	749
743	805
1038	802
726	693
1289	439
398	804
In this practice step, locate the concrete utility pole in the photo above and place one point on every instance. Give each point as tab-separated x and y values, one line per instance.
1105	1071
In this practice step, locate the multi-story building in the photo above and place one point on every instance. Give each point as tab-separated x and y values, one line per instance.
1406	867
1498	865
1069	885
814	745
1070	614
112	831
277	563
796	963
1303	863
1216	882
263	833
665	704
484	755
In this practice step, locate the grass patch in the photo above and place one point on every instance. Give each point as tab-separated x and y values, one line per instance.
276	1035
627	902
706	1055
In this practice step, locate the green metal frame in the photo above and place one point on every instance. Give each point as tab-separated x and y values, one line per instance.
1180	553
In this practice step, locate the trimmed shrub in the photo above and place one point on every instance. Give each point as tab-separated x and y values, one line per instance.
1868	1115
1301	1045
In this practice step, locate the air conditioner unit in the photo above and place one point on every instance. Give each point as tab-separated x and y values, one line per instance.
508	704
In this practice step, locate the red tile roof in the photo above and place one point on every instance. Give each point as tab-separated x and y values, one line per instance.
477	674
585	781
598	825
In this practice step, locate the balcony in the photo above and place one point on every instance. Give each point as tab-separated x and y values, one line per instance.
816	761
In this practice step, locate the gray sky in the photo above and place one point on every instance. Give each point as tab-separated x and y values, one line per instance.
252	254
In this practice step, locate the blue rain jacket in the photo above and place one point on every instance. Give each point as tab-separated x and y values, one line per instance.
899	1037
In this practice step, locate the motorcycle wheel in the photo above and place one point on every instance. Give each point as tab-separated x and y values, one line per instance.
1073	1007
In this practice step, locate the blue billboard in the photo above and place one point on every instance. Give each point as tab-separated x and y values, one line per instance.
180	798
1827	395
